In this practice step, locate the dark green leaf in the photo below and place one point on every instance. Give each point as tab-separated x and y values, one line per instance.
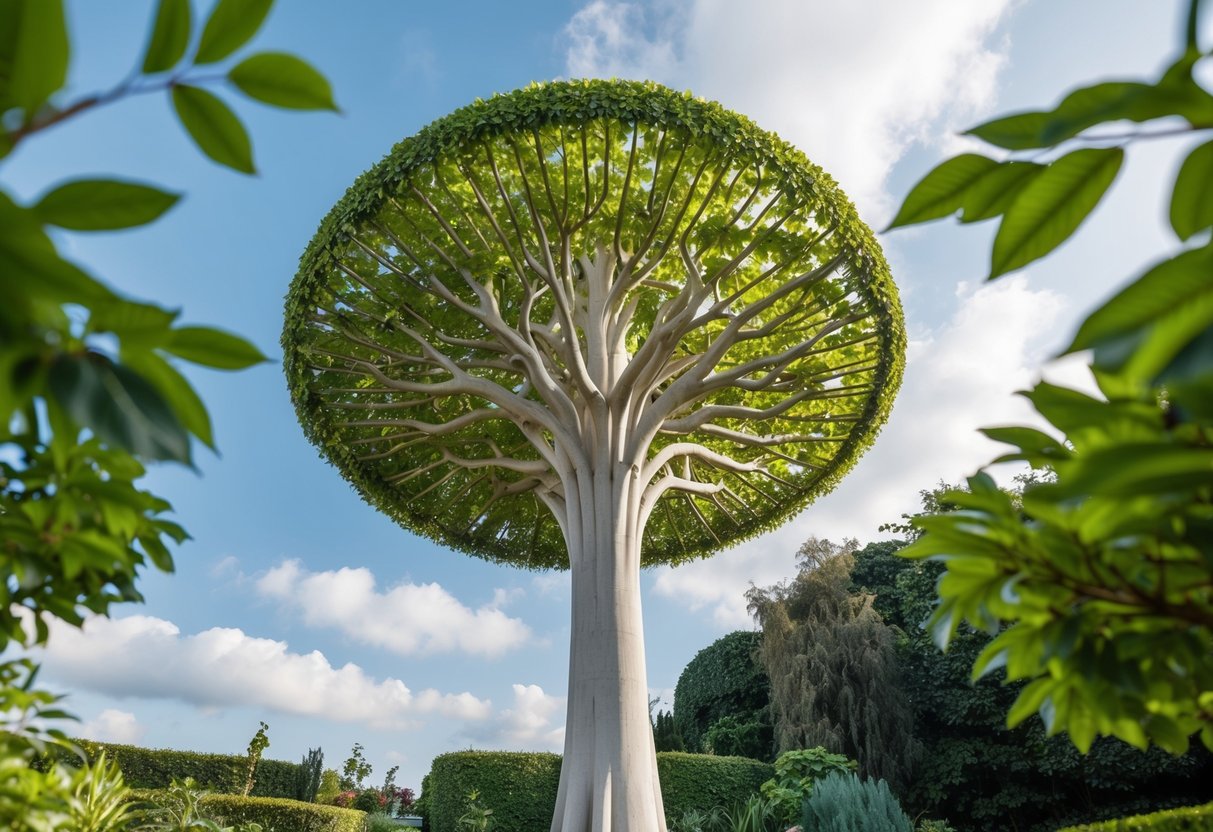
1192	198
40	55
993	194
103	204
31	267
231	25
283	81
1052	206
130	320
119	407
170	36
213	348
942	191
178	392
214	128
1161	292
1132	469
1017	132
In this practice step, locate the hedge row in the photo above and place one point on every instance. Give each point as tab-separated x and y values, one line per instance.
1187	819
271	812
156	768
520	787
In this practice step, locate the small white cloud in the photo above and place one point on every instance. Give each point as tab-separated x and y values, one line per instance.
959	378
112	725
146	657
407	619
229	565
534	723
553	583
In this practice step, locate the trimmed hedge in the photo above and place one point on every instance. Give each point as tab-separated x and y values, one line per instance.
274	814
156	768
1187	819
520	787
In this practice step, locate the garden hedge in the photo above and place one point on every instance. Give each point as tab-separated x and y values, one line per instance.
274	814
1187	819
520	787
156	768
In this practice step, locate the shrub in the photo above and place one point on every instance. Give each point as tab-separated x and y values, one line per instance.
281	813
1187	819
520	788
844	803
725	679
795	774
369	800
157	768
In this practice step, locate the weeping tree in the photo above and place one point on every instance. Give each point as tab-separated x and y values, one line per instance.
832	660
595	326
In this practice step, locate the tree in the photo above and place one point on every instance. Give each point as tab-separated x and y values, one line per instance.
833	667
594	325
665	733
726	681
355	770
256	747
89	391
1107	590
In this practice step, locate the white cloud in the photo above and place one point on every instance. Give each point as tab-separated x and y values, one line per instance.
852	84
407	619
534	723
958	379
112	725
148	657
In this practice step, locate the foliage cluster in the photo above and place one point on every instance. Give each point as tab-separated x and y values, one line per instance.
665	733
256	747
156	768
726	681
89	392
1187	819
1098	587
282	813
842	802
355	770
835	678
308	776
520	787
795	774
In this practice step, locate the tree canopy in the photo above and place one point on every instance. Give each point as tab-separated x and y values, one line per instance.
584	246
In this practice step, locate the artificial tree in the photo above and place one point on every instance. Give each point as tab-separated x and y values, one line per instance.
599	326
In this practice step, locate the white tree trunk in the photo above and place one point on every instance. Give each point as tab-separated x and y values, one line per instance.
608	781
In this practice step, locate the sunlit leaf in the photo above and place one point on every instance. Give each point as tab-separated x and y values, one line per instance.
942	191
170	36
283	81
993	194
40	57
231	25
214	128
213	348
103	204
1052	206
1191	202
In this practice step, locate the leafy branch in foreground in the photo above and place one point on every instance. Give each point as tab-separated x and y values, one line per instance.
1100	586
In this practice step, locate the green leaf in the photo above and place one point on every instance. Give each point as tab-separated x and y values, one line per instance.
283	81
994	193
103	204
1165	289
1191	205
941	192
231	25
1016	132
170	36
1132	469
214	128
179	393
119	407
40	58
213	348
131	320
1052	206
31	267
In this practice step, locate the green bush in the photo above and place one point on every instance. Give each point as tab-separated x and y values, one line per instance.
281	814
1187	819
725	680
156	768
843	803
701	781
520	787
795	774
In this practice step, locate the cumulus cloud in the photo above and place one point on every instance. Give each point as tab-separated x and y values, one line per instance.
958	379
149	657
112	725
407	619
535	722
852	84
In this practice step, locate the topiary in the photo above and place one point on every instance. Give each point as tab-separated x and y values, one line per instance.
844	803
724	680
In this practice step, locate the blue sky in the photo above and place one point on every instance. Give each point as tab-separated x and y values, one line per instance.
298	604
